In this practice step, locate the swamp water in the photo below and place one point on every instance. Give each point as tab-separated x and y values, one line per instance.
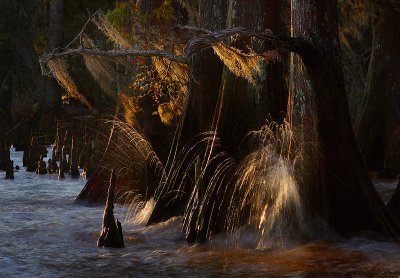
44	234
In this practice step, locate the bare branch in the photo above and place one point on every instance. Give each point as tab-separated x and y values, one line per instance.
271	41
113	54
81	49
80	34
192	28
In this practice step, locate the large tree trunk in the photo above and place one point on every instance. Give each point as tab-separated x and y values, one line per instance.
394	203
302	111
201	104
276	88
51	107
378	129
5	119
242	107
245	106
347	198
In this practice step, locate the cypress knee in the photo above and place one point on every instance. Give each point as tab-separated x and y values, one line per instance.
10	170
111	232
41	167
63	165
73	170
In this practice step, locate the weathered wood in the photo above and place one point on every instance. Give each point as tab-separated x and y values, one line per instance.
272	41
111	230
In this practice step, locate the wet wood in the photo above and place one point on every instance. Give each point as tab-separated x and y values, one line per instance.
10	170
111	231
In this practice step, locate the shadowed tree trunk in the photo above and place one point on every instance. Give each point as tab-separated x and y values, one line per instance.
205	76
150	125
348	200
394	203
342	192
51	107
204	83
27	77
7	71
302	110
378	130
242	106
246	106
276	84
5	119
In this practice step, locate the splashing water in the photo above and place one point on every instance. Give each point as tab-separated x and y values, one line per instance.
266	182
125	149
139	212
267	189
257	193
52	236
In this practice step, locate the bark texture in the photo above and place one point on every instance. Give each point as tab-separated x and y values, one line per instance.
378	130
347	197
241	107
111	232
245	106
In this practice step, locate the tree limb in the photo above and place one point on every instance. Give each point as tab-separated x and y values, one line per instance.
208	39
113	54
271	41
67	51
191	28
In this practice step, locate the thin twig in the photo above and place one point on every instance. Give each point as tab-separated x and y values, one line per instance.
80	34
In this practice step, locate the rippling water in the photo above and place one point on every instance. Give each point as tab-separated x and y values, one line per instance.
44	234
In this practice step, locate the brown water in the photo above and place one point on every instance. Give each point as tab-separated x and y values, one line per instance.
44	234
